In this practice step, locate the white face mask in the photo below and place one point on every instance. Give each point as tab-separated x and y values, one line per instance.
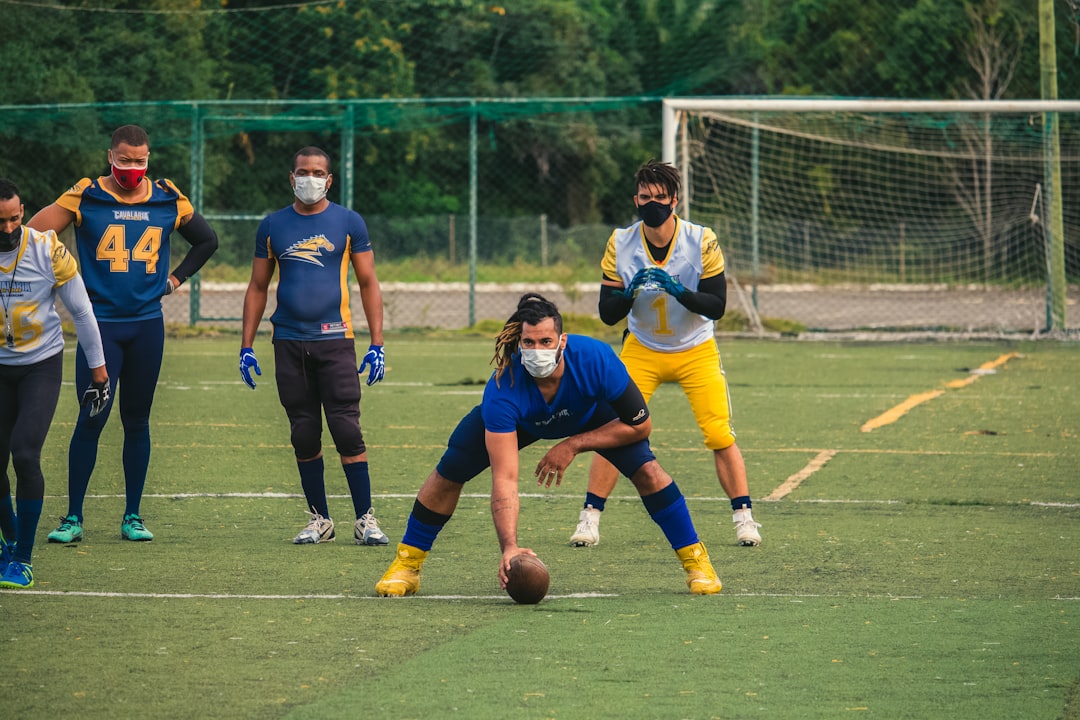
309	189
540	363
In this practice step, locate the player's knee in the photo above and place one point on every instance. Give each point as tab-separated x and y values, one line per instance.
719	436
306	445
348	438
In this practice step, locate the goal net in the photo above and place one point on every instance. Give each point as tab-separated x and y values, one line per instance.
888	215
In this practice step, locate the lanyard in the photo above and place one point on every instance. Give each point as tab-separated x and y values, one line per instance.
5	297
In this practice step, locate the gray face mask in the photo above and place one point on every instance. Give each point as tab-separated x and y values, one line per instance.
310	189
10	240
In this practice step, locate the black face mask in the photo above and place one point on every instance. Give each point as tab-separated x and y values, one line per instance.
10	240
654	214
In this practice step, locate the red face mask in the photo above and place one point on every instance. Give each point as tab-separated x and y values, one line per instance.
128	178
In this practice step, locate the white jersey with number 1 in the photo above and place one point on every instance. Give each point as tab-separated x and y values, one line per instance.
658	320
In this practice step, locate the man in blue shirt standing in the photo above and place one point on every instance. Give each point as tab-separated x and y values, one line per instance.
312	243
547	385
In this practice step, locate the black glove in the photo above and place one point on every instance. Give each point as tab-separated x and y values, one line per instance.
97	396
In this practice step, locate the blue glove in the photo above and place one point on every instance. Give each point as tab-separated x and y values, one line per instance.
667	283
97	396
376	359
247	363
639	279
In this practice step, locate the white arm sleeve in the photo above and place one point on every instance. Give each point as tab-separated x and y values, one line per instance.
73	295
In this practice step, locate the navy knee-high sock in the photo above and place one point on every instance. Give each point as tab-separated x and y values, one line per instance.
356	474
423	527
595	501
668	509
29	513
313	482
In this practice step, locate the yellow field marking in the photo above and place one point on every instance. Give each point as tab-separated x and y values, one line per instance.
895	413
789	485
986	366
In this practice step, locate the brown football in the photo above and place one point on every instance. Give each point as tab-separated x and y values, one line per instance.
528	580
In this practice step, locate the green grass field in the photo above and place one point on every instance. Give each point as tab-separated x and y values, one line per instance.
926	569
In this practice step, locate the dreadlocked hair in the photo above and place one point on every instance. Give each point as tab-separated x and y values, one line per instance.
532	308
663	174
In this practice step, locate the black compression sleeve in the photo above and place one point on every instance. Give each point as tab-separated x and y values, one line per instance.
630	406
204	243
710	299
614	306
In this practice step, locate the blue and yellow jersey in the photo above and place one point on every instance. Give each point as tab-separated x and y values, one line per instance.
593	375
29	277
314	256
658	320
124	246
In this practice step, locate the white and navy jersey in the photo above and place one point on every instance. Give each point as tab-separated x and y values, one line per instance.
314	256
29	276
657	319
124	246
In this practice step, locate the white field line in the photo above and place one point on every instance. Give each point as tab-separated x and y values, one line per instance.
232	596
794	597
549	496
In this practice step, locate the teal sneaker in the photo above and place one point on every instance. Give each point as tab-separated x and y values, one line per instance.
70	530
18	575
133	529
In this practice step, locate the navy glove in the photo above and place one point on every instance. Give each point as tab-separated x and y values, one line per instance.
640	278
247	364
667	283
376	360
97	396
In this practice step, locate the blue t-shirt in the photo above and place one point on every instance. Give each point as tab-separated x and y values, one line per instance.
593	375
314	256
124	247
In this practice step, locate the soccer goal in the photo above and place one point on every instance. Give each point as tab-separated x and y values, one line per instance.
856	215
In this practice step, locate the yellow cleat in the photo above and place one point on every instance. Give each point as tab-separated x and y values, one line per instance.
403	576
700	576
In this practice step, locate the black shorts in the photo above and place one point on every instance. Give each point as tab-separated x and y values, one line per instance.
316	377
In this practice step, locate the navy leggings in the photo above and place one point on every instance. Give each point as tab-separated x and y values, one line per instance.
28	396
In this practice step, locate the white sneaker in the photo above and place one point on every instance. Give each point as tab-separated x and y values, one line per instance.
367	530
745	528
587	533
319	529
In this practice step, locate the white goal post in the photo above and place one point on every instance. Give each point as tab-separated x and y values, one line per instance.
878	214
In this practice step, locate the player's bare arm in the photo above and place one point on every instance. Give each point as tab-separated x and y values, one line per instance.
503	451
52	217
262	270
632	424
370	294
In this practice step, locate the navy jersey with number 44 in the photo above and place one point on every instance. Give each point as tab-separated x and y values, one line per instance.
124	246
314	258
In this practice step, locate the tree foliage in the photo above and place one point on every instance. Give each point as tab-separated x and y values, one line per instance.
574	166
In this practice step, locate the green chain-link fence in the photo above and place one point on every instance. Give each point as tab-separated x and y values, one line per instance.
458	151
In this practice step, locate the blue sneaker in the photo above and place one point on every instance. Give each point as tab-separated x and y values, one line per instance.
70	530
18	575
133	529
7	554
